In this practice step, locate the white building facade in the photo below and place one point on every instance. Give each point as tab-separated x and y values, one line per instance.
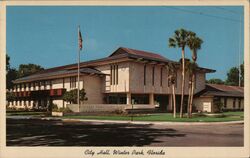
125	77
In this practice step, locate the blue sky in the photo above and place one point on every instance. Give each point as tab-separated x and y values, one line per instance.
48	35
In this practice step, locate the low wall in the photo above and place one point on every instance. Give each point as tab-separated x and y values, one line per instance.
107	107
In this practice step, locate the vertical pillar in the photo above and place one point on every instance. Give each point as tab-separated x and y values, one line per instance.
151	99
32	104
128	98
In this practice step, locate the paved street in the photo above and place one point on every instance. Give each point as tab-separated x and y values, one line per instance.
33	132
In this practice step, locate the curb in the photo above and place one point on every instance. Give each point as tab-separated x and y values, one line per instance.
126	121
156	122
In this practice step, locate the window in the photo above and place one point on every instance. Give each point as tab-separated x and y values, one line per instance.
234	103
225	102
116	99
239	102
111	74
161	75
144	75
140	98
72	82
153	76
117	74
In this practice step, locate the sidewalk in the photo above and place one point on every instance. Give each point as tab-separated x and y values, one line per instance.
126	121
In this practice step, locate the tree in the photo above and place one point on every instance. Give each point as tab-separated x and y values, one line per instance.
28	69
190	69
23	70
242	74
180	39
233	77
172	79
215	81
11	75
194	44
71	96
10	96
7	62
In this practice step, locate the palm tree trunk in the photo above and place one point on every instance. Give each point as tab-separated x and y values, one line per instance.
183	81
192	95
189	97
174	100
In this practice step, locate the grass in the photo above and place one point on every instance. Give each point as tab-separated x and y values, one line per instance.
167	117
164	117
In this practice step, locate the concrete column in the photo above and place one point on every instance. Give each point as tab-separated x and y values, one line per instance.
151	99
128	98
31	104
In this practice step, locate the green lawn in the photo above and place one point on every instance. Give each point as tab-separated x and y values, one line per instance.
227	116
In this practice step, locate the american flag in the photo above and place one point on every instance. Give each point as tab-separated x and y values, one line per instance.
79	39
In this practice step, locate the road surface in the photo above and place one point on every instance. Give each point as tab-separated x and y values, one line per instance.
35	132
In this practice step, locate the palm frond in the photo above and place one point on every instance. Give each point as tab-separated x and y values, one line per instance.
171	42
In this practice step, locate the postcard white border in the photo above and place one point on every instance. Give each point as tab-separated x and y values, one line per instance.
76	152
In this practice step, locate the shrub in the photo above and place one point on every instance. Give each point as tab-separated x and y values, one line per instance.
219	106
54	107
118	111
71	96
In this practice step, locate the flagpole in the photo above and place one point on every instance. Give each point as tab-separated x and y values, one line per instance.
78	76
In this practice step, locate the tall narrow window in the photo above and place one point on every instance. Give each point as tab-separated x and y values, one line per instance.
144	74
239	103
111	74
161	75
153	76
113	77
117	74
72	82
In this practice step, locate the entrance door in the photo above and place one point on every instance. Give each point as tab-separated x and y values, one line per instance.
162	101
207	106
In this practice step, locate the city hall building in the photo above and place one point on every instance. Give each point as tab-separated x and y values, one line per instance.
127	77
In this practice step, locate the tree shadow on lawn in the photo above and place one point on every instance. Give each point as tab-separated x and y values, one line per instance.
56	133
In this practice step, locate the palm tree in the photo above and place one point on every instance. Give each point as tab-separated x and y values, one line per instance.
191	69
180	39
194	43
172	79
